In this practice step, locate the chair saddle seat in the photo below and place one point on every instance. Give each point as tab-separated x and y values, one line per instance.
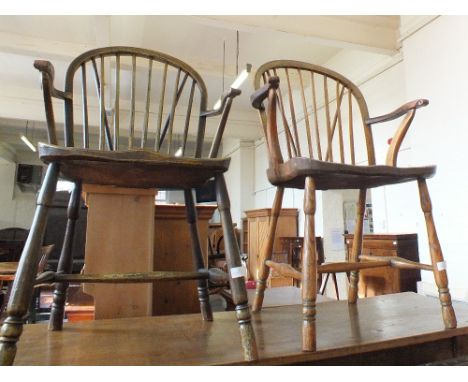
132	168
329	176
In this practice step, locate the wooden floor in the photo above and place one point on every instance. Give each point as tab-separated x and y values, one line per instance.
400	329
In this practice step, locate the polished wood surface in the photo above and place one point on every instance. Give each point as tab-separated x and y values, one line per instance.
8	267
351	332
283	296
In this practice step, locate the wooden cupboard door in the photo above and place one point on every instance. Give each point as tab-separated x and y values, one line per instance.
253	248
385	280
258	226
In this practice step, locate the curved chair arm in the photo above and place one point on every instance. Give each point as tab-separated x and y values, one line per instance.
224	109
47	71
271	132
259	96
402	110
409	110
230	94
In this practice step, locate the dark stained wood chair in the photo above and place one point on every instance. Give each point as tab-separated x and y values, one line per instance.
313	120
148	112
7	278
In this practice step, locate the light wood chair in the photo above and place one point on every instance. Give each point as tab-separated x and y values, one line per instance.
323	118
140	105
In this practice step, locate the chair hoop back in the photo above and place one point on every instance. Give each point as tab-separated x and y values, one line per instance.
319	112
138	99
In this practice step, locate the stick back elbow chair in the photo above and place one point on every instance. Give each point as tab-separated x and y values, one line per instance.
311	145
140	105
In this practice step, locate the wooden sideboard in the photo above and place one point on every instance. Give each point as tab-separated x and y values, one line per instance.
258	222
173	252
378	281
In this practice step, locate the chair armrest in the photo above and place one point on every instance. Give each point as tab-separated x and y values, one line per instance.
230	94
259	96
409	111
268	117
47	71
402	110
224	109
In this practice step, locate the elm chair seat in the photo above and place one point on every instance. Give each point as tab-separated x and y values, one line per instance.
338	176
138	168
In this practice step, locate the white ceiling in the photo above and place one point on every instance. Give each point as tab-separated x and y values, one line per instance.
197	40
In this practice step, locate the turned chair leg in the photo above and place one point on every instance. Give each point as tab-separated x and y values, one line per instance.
266	251
6	297
309	270
197	254
65	264
236	272
22	289
437	258
357	247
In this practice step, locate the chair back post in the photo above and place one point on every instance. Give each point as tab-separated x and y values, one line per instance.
271	128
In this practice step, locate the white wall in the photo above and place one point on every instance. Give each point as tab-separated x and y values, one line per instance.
240	176
433	67
16	207
436	62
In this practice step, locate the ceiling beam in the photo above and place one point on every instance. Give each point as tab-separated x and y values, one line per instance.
22	45
7	153
378	34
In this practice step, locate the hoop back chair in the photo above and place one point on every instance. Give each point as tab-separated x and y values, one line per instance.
141	105
314	121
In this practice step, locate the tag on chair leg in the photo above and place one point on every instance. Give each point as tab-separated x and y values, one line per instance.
441	266
238	272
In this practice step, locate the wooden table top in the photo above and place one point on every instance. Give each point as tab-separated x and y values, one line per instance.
282	296
8	267
376	323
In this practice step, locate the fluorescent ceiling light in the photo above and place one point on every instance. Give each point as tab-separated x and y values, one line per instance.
237	83
217	105
178	153
28	143
241	77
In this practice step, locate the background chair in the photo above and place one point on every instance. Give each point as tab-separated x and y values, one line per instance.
7	279
324	118
160	146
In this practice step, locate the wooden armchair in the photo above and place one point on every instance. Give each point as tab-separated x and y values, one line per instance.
323	118
110	94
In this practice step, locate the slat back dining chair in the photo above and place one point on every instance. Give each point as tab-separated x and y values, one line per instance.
319	137
133	118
